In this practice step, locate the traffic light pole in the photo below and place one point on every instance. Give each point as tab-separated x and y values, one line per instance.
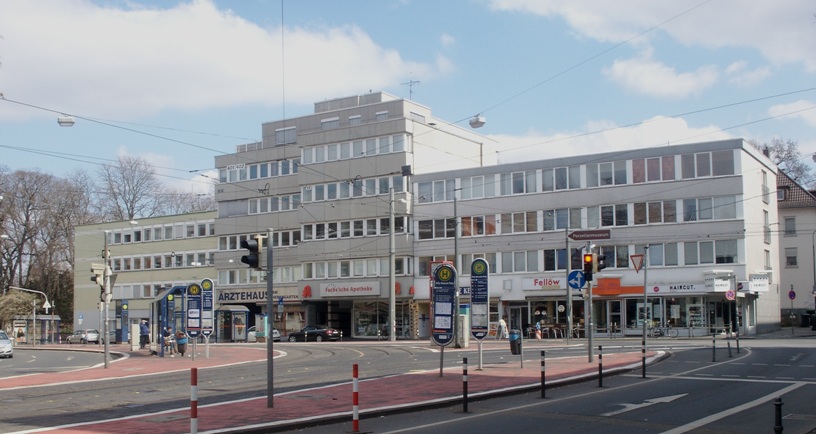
588	311
270	315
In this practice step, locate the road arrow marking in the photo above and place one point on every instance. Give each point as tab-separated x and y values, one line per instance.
646	403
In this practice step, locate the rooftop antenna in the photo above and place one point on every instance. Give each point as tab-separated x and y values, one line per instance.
410	84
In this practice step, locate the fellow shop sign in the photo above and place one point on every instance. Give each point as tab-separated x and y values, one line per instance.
539	283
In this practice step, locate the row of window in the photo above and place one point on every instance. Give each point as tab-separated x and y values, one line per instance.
660	255
354	149
353	228
357	187
280	238
658	169
157	262
264	205
694	209
245	276
269	169
162	232
350	268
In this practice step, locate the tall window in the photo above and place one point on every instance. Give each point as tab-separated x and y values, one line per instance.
790	257
790	226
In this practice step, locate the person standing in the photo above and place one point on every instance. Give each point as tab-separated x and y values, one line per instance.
144	334
169	341
502	333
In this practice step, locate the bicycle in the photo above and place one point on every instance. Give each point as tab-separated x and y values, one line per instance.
669	331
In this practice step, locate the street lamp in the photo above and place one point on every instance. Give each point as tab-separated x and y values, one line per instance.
65	121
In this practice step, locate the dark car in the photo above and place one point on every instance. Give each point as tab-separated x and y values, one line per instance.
314	333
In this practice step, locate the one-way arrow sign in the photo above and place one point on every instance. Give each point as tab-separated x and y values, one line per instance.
646	403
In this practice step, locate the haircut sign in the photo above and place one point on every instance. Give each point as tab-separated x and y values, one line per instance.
444	297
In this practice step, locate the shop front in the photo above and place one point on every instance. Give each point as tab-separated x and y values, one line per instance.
360	309
547	302
695	308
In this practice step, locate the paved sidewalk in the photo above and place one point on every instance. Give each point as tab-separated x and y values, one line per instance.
332	403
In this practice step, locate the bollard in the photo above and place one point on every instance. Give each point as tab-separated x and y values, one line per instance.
600	366
643	357
729	348
193	400
778	415
355	401
543	380
464	385
713	348
341	335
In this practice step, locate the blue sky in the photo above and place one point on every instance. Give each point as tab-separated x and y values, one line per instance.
179	82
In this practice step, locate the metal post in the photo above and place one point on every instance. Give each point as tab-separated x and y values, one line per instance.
270	310
778	415
543	377
600	366
713	347
569	288
645	312
106	302
392	302
464	385
457	265
588	312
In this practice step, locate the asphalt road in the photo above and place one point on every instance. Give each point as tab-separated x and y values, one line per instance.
685	393
27	362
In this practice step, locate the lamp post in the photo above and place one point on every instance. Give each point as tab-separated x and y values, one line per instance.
106	301
813	246
47	306
392	298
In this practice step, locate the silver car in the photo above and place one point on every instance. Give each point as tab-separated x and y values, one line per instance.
6	345
84	337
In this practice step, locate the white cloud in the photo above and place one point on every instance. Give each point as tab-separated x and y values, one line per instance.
447	40
738	74
658	131
646	76
802	109
782	31
127	63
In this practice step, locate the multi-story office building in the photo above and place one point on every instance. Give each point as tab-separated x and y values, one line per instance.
700	214
323	183
147	256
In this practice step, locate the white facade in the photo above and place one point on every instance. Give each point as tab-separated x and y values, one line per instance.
321	182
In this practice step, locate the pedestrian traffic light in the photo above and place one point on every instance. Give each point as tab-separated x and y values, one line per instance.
254	255
589	260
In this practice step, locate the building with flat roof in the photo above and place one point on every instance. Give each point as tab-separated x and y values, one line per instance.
691	222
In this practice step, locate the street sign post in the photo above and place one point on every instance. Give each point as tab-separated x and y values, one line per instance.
207	314
479	303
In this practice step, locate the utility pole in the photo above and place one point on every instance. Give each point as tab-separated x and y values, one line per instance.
106	302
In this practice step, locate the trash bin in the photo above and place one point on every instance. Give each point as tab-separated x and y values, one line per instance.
515	342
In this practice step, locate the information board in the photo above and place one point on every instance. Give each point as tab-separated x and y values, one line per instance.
479	299
444	299
193	309
207	307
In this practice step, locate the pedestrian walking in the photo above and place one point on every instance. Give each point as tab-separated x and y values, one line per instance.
144	334
502	333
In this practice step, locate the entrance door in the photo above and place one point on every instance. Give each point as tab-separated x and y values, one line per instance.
517	318
613	309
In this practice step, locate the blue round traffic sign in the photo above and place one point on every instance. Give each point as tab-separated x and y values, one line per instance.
576	279
791	294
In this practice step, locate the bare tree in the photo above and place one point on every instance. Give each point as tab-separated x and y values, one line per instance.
785	154
130	189
177	202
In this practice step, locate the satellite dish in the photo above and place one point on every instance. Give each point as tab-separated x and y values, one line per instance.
477	121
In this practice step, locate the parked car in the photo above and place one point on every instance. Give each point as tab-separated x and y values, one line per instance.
314	333
6	345
252	335
84	337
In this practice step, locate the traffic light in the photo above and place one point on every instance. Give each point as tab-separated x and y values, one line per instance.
589	261
600	262
254	255
98	277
